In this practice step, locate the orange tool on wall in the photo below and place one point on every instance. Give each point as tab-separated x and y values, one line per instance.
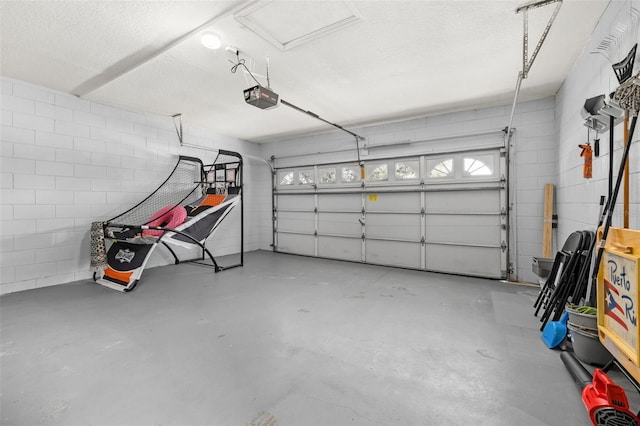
587	153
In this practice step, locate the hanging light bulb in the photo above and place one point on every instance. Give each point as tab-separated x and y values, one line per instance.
211	40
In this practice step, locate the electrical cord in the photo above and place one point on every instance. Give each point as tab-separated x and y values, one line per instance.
240	62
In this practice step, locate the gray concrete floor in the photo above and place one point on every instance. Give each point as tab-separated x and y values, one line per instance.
284	340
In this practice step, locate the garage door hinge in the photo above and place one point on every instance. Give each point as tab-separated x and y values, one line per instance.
503	246
503	213
422	212
315	210
363	237
422	241
363	211
315	233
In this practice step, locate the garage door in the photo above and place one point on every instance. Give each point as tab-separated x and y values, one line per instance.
444	213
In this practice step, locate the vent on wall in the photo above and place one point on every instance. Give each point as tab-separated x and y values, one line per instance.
305	20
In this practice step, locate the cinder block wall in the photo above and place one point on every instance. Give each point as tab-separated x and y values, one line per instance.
533	159
66	162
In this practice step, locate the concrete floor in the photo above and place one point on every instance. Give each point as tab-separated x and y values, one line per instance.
284	340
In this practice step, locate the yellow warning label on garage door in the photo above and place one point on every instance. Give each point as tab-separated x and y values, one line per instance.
373	197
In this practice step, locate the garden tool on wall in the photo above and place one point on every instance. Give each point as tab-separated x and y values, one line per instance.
587	154
601	113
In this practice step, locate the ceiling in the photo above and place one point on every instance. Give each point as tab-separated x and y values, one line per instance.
352	63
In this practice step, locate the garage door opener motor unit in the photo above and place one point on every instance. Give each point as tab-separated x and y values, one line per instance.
261	97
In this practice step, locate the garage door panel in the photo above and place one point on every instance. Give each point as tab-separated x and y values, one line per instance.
339	224
393	253
479	201
340	248
340	202
442	214
467	229
296	222
296	202
477	261
389	202
394	226
297	244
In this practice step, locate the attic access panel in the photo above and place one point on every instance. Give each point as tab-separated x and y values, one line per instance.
305	20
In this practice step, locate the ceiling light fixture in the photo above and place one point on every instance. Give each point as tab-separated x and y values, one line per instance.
211	40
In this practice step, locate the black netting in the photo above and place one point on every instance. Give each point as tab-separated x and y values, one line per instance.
183	186
226	157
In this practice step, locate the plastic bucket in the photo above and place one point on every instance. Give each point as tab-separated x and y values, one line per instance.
542	266
588	348
582	320
587	330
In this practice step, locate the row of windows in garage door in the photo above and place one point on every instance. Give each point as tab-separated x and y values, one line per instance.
401	170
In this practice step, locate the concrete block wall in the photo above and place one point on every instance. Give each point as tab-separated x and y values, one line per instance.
533	164
532	158
66	162
592	75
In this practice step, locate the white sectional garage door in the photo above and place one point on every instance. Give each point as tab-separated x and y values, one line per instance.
444	213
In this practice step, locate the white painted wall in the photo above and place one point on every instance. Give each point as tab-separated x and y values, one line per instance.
533	158
592	75
66	162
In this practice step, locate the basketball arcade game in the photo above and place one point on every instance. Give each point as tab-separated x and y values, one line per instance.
184	211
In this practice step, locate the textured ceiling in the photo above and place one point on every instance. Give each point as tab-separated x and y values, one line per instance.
377	61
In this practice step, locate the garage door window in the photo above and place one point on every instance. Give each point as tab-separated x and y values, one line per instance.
305	177
377	172
407	170
479	165
350	174
327	175
285	177
440	168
